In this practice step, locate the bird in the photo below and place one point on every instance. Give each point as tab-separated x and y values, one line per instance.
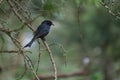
41	31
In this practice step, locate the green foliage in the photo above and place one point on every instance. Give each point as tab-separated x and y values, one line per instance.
96	76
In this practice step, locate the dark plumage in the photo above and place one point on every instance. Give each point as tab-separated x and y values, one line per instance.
42	30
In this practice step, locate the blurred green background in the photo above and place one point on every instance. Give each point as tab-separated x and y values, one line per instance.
86	32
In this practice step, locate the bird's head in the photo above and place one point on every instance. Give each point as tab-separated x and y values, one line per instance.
47	22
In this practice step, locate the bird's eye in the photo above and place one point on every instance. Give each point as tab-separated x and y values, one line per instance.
48	23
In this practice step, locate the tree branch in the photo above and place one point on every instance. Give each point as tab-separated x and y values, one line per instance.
51	58
110	11
18	15
12	51
82	72
3	29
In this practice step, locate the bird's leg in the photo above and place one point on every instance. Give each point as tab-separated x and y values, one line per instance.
43	39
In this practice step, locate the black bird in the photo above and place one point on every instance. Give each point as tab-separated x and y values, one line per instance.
42	30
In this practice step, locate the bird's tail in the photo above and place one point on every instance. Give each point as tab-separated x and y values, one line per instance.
29	44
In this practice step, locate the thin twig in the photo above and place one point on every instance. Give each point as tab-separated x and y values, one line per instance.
51	58
3	29
63	50
18	29
39	54
20	6
27	59
12	51
2	42
18	15
15	41
21	9
110	11
25	64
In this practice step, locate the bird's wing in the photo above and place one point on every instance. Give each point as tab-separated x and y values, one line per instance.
41	31
40	34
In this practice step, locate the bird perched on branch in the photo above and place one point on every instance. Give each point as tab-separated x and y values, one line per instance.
42	30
